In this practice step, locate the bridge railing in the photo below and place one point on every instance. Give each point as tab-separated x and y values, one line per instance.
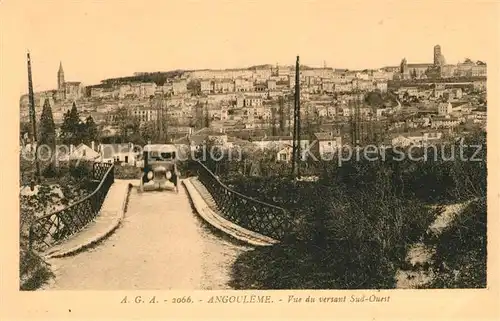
53	227
247	212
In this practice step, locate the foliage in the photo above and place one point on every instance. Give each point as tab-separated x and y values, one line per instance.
24	127
47	126
33	270
127	172
344	236
91	132
127	125
71	128
355	225
157	77
72	180
70	184
43	202
74	131
374	99
459	260
207	120
148	132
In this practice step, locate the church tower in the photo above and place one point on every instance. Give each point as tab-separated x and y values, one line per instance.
60	78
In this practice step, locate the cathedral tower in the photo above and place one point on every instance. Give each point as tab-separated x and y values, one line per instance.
60	78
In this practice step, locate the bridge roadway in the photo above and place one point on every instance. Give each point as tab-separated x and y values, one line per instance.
160	245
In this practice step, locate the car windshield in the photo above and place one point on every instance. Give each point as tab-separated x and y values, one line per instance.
159	156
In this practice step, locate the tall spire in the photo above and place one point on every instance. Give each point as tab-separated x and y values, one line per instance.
60	77
60	67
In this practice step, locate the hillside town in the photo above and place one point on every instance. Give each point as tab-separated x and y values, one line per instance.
407	104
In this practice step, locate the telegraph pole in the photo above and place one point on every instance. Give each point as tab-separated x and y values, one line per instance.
160	121
164	107
36	177
356	122
296	124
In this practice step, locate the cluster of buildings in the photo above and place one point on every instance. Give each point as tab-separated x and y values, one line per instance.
425	97
439	68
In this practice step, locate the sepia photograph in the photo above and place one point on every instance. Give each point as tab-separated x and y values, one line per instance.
253	146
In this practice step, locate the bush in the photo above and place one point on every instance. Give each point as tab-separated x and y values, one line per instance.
74	180
33	270
80	169
338	264
352	230
460	254
127	172
365	216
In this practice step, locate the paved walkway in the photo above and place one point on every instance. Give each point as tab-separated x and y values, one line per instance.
208	210
106	222
161	244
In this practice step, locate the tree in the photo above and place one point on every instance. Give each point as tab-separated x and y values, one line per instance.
24	128
91	133
414	74
128	125
199	118
47	128
282	114
207	118
374	99
148	131
71	129
273	120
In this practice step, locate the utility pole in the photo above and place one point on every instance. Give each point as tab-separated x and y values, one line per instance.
36	177
357	123
161	120
165	119
162	128
282	115
289	113
296	124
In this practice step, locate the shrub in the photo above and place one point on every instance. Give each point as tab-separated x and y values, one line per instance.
377	210
33	270
127	172
459	260
80	169
352	230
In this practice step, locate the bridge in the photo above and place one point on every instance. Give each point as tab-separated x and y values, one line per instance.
156	239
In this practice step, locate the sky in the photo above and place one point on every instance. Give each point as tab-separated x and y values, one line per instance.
104	39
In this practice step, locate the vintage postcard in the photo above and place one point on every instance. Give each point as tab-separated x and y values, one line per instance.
250	159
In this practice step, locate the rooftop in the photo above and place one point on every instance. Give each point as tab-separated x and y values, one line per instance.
325	136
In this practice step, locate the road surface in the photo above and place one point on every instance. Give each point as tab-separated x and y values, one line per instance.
160	245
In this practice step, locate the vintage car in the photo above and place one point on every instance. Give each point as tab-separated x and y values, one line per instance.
159	166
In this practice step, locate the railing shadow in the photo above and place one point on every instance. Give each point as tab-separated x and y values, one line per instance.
49	229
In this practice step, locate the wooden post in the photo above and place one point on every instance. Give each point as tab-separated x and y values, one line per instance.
33	121
296	124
